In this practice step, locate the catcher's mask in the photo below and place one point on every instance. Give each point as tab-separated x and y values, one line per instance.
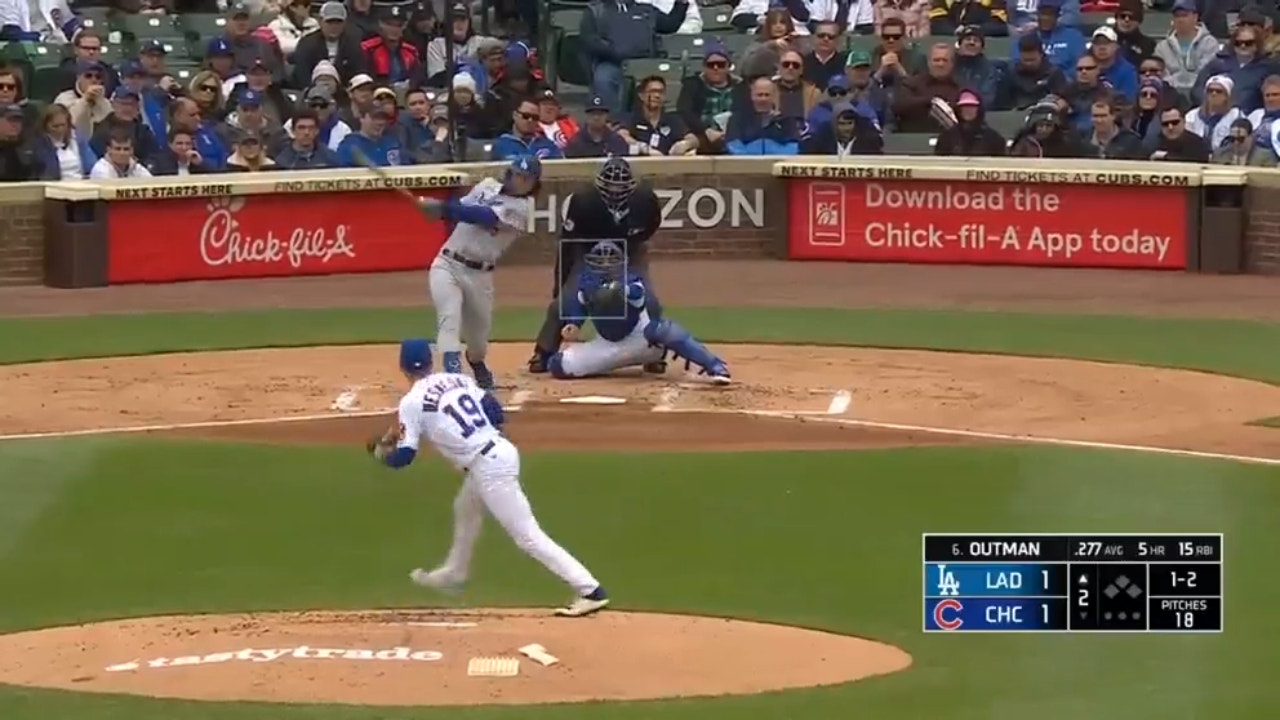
606	259
616	183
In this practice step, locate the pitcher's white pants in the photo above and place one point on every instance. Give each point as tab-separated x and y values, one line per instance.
493	483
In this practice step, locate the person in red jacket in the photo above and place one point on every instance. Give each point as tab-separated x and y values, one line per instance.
387	57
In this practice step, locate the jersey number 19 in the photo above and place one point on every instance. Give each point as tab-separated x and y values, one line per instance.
470	417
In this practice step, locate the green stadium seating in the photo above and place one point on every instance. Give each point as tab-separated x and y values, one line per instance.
97	19
675	46
478	149
46	75
908	144
567	19
200	28
569	61
998	48
716	19
183	71
115	53
136	28
737	43
1007	122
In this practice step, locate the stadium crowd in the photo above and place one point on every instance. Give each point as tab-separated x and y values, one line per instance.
299	86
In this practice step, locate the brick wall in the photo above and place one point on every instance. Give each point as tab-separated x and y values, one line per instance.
1262	233
750	217
21	242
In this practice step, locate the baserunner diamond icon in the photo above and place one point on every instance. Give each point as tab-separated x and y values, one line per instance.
1134	591
1111	591
1122	581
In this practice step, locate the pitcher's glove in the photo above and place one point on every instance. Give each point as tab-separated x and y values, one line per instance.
380	446
609	300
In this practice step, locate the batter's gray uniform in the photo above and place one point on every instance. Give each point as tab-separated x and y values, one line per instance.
461	276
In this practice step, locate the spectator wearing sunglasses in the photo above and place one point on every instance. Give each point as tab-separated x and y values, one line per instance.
1082	92
331	130
825	60
707	99
1031	77
1213	119
86	48
1062	43
1176	143
1133	44
973	68
1188	49
526	136
836	95
1153	67
1239	150
1144	117
1243	62
87	101
894	58
795	96
947	17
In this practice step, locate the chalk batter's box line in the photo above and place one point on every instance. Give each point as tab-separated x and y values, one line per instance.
626	260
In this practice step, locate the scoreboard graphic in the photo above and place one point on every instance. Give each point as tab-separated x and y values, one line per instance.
1073	583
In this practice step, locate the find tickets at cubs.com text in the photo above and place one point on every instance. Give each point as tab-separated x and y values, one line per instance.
988	223
1135	583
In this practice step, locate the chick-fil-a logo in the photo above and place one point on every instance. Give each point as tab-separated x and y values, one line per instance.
223	241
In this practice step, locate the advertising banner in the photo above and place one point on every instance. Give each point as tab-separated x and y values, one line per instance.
988	223
277	235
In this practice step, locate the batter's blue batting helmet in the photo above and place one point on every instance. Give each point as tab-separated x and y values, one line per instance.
615	182
525	165
415	356
606	258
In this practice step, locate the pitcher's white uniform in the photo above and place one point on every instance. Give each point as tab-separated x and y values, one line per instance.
445	408
461	276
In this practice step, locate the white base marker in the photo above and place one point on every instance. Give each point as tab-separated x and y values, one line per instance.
518	399
840	403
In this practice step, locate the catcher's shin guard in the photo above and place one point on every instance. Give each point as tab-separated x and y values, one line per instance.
671	335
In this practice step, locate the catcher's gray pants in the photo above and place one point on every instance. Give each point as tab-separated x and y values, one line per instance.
567	286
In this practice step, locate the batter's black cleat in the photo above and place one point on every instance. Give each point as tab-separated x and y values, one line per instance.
538	362
656	368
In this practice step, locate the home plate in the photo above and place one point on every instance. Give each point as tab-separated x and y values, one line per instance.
594	400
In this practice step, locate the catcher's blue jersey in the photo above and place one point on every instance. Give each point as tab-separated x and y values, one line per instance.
614	328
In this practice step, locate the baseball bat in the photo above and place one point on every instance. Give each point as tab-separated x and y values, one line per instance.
362	160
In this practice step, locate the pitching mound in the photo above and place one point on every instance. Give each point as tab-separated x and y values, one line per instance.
423	657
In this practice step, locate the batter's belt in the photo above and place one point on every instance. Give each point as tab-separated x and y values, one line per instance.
467	262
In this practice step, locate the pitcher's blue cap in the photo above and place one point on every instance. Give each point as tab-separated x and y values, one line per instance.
415	355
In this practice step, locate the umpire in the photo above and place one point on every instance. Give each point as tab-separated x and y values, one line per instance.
617	208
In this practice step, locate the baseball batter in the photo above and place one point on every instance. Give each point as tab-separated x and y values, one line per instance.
489	219
616	302
464	423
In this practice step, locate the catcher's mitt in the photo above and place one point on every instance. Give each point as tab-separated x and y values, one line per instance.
380	446
609	300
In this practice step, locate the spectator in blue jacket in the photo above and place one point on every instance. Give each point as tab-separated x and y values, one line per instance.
526	136
761	129
1062	43
184	115
1244	62
864	89
614	31
1116	71
974	69
1024	16
380	147
155	101
838	94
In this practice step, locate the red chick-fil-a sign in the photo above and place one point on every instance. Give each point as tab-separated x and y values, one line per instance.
268	236
988	223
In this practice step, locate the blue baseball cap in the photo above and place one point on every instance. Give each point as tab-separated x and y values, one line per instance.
131	67
526	165
125	93
153	46
85	67
250	99
415	355
218	46
838	82
1185	6
597	104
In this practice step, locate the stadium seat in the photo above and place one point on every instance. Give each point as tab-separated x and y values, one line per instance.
908	144
200	28
570	65
95	18
114	53
675	46
717	19
999	48
567	19
1007	122
478	149
737	44
134	28
183	71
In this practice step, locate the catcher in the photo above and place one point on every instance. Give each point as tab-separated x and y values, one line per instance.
616	302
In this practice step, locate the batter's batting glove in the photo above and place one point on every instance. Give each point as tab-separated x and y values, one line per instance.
431	207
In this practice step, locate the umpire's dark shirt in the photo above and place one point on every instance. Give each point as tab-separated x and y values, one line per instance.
588	219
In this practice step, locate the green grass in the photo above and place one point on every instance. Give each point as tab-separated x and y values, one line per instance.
107	527
1235	347
830	540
